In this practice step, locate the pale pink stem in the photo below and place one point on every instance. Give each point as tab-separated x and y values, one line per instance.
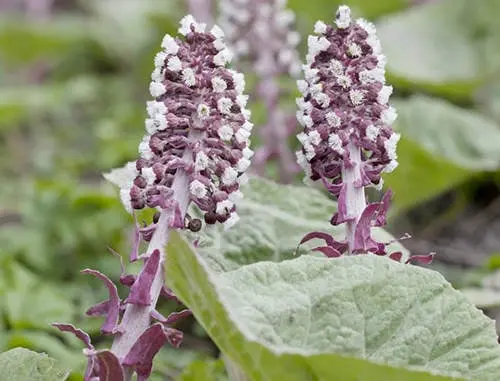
355	194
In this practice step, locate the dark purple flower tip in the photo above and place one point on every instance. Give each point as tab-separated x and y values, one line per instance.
110	308
345	101
197	132
262	30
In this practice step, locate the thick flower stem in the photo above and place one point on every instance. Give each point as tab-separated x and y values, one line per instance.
136	318
355	199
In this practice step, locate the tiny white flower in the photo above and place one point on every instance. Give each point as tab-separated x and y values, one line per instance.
367	26
201	162
144	149
242	100
335	143
243	164
174	64
218	84
308	122
371	76
157	89
225	132
197	189
246	113
336	67
229	176
389	115
372	132
357	97
239	81
154	108
231	221
247	125
299	115
170	45
188	77
322	99
374	43
156	75
381	61
203	111
235	196
310	152
390	146
219	44
343	17
332	119
314	138
223	57
310	74
344	81
384	94
217	32
247	153
320	27
303	138
160	59
186	23
391	166
303	86
224	105
354	50
148	175
303	163
159	122
242	135
315	89
125	199
243	179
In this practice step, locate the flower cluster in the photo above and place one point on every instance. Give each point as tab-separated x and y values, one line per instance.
196	149
347	140
198	124
261	30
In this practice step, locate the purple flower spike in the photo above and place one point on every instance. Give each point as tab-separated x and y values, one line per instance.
347	141
197	133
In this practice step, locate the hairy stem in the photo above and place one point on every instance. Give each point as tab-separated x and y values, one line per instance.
355	194
136	318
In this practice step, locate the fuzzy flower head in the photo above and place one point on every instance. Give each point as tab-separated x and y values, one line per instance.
262	30
197	129
345	100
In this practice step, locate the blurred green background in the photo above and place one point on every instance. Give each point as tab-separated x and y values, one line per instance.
73	84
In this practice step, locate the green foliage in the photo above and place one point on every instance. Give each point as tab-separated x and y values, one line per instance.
204	370
360	317
22	365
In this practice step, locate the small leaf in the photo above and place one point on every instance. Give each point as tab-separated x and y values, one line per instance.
360	317
20	364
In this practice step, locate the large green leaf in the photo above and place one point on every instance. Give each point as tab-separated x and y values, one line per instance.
445	46
274	218
442	146
20	364
353	318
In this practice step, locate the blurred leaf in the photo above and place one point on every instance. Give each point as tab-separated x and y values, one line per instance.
204	370
441	46
483	297
356	317
442	145
274	218
20	364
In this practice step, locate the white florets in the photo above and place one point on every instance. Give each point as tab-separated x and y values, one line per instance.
157	89
224	207
336	67
158	123
335	143
174	64
367	26
384	94
160	59
242	135
170	45
224	105
156	75
320	27
247	153
201	162
188	77
357	97
243	164
217	32
389	115
148	175
203	111
229	176
333	119
372	132
231	221
144	148
371	76
322	99
354	50
223	57
125	199
343	17
225	132
218	84
154	108
344	81
197	189
390	146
